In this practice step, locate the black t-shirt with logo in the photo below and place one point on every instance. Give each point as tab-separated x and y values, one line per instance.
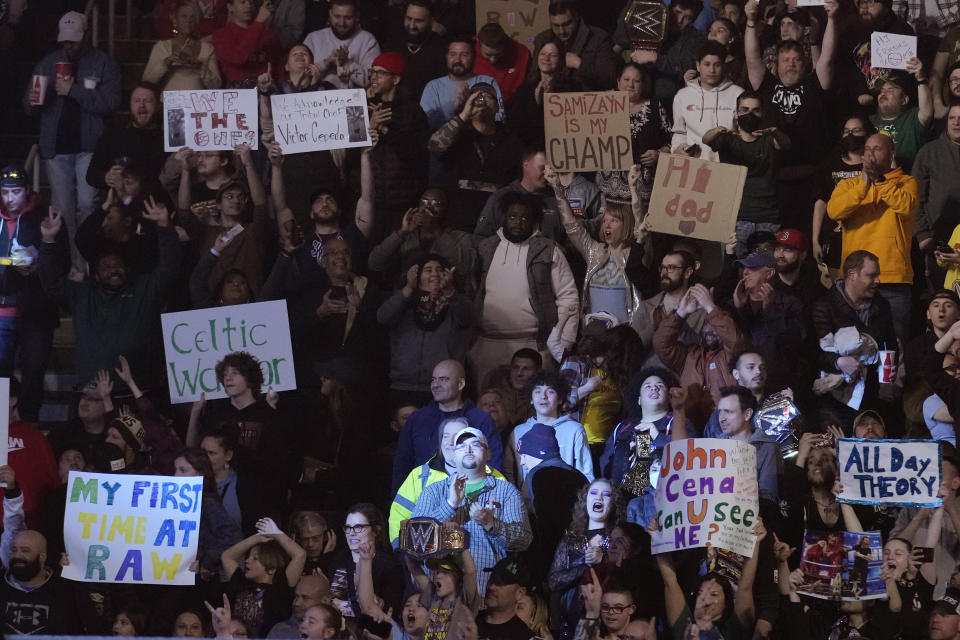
799	112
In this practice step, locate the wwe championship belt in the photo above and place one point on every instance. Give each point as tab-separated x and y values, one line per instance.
638	478
646	23
422	538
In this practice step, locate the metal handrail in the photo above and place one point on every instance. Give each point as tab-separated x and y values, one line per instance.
92	14
32	163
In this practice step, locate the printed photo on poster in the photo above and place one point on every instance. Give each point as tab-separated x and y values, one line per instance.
842	565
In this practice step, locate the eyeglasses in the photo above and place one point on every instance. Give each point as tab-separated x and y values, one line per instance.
615	609
379	72
355	528
463	446
859	131
671	268
429	203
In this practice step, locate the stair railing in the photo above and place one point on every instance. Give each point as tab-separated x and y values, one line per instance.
92	13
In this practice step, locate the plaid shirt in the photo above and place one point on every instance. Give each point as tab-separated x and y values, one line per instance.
510	531
947	12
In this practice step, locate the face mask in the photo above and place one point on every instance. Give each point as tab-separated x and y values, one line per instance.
749	122
853	143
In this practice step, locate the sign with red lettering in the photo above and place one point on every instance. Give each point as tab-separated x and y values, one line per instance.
521	19
210	120
588	131
695	198
707	496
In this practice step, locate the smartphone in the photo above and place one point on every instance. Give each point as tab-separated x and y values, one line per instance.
693	151
943	247
379	629
926	554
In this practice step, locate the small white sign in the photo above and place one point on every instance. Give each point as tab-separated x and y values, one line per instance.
891	50
320	120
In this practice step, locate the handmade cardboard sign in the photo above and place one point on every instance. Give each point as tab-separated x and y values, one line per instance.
707	496
695	198
131	528
891	50
895	472
320	120
194	341
210	120
522	20
588	131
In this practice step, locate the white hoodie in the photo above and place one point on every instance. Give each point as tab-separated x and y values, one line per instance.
697	110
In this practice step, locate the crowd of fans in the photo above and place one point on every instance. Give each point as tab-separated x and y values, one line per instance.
483	340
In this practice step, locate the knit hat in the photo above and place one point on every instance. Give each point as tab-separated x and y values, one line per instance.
391	61
540	442
131	430
72	27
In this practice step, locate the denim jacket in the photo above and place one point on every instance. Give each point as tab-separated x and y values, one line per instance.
96	88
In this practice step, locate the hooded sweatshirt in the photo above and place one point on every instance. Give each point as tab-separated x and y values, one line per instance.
574	449
697	110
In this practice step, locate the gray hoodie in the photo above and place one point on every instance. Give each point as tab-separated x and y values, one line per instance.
574	449
697	110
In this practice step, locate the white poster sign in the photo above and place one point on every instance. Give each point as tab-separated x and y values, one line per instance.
131	529
320	120
194	341
210	120
891	50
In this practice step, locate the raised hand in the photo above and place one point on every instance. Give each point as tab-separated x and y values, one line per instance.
592	593
267	527
156	211
104	384
51	225
220	617
458	491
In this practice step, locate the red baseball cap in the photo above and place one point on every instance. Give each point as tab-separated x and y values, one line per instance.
794	238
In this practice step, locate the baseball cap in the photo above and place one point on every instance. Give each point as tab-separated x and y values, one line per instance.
758	259
472	432
540	442
233	184
72	26
793	238
392	62
949	604
942	294
509	571
450	562
14	175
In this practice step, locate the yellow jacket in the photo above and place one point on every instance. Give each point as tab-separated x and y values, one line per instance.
878	218
953	270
